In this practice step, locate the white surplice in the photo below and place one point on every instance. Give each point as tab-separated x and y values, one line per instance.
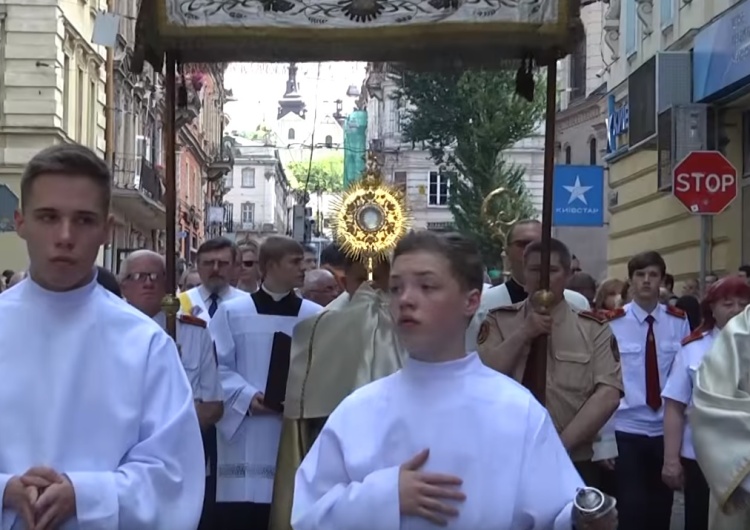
93	388
479	425
247	445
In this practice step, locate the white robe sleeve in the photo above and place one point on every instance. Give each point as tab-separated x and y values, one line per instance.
237	392
326	498
549	481
7	517
160	482
209	383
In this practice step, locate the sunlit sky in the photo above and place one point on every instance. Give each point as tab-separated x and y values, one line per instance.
257	88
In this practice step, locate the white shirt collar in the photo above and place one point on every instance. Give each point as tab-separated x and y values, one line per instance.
276	296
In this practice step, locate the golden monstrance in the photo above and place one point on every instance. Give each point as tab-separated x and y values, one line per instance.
370	217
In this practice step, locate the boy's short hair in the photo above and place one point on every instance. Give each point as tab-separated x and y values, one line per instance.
67	160
646	259
462	254
275	248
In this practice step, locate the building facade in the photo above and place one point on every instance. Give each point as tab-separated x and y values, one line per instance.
580	130
258	195
673	90
52	91
426	188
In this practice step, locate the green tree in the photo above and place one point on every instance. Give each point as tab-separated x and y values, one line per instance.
326	174
466	120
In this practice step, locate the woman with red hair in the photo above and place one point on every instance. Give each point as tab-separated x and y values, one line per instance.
724	299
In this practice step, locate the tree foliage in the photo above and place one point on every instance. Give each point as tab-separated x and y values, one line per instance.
466	120
326	174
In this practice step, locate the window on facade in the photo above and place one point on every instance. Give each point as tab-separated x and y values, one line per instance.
290	134
577	74
248	213
666	15
568	154
248	177
592	152
439	189
80	91
631	26
93	113
66	95
228	180
228	217
329	141
399	179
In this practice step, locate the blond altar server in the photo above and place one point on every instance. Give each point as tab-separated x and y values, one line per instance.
253	341
98	429
720	421
445	441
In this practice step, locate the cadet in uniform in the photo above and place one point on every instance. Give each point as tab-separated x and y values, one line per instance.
649	335
143	286
583	374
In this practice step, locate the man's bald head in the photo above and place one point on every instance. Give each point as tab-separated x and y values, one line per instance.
142	280
141	255
320	286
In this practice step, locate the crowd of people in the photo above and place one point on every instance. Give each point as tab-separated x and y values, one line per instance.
304	392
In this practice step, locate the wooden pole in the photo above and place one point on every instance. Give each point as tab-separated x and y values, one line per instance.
535	375
171	304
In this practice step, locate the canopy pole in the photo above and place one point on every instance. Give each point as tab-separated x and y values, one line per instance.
171	303
535	378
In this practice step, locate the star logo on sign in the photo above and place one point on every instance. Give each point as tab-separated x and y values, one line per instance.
577	192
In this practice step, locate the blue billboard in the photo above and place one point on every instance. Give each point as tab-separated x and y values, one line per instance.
578	196
721	54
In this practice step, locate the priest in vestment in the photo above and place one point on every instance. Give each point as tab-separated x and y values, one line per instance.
720	419
253	340
352	343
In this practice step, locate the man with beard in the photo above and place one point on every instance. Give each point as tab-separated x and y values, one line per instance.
216	264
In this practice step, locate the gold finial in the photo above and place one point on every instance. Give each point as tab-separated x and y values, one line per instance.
542	301
500	222
170	304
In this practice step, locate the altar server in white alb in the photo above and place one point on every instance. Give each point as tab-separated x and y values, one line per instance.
446	441
98	429
253	340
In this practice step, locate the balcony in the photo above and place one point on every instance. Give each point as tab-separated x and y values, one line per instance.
221	163
137	193
188	100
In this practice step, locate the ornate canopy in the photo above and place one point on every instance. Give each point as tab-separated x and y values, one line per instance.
430	32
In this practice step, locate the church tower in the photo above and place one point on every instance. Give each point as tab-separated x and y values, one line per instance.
292	101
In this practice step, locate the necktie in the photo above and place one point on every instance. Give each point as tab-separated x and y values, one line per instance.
214	304
653	388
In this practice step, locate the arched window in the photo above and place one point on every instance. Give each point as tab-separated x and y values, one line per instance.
290	134
592	152
568	154
329	141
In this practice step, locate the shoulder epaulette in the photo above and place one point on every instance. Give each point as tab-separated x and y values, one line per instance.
602	317
698	334
676	312
513	308
613	314
194	321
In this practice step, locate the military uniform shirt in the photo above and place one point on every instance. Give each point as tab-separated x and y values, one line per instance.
582	354
197	356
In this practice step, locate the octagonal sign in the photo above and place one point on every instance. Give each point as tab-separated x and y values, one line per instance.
705	182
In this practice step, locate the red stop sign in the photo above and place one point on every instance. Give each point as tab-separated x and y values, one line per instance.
705	182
